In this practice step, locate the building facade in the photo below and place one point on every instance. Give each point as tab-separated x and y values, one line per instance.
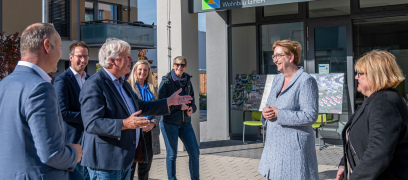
334	33
91	21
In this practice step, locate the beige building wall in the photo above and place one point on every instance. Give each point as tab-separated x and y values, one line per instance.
18	14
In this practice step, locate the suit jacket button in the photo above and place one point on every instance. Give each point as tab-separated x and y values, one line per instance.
134	142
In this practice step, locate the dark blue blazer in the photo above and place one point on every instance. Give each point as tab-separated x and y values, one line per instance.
106	145
32	131
67	89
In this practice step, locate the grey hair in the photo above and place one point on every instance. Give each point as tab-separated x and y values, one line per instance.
111	49
34	35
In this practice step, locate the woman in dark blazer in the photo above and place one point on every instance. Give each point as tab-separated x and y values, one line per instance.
375	139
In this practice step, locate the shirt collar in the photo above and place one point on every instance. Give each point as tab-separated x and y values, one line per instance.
113	78
76	73
40	71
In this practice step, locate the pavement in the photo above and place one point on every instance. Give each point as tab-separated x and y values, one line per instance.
231	159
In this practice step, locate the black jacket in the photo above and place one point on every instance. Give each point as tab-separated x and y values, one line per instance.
166	89
378	137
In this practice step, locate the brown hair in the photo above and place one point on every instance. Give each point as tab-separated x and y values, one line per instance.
381	69
290	47
76	44
180	59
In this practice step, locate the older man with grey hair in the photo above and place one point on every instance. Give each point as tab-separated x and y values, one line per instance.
33	140
111	114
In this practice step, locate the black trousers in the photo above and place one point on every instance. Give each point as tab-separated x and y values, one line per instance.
144	168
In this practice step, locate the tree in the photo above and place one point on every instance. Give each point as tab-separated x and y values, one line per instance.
9	53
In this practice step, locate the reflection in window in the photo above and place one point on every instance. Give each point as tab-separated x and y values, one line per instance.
377	3
387	33
275	32
102	10
329	8
280	9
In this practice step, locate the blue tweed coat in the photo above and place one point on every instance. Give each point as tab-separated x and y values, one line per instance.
289	151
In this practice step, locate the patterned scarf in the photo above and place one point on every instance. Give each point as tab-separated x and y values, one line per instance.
145	93
182	82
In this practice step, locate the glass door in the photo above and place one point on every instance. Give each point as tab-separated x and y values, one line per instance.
329	51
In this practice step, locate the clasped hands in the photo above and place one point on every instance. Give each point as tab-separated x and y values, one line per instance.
270	112
189	109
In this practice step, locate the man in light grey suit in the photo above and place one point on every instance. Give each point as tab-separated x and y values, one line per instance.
32	130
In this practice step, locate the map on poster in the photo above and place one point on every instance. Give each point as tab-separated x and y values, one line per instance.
330	92
248	91
252	91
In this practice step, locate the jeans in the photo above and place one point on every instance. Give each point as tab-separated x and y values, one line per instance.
171	133
96	174
83	170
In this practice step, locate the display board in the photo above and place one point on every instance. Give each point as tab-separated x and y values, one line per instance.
251	92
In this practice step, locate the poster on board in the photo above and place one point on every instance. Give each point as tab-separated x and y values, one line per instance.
251	92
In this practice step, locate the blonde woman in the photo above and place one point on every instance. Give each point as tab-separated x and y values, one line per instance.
141	80
375	139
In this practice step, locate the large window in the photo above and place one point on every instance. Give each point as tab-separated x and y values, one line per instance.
274	32
59	15
387	33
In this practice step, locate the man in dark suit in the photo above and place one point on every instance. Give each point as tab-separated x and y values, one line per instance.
67	86
32	133
110	112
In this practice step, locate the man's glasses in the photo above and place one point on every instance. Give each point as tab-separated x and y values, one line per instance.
359	73
182	65
82	56
277	56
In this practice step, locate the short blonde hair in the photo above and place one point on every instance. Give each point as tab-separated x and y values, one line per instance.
133	77
179	59
381	69
290	47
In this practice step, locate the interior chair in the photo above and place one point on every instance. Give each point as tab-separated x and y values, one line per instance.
256	121
321	120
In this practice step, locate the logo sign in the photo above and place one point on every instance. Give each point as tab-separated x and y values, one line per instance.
211	4
196	6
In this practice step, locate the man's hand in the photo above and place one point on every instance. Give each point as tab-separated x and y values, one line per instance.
340	173
189	111
134	122
78	150
270	112
149	127
175	99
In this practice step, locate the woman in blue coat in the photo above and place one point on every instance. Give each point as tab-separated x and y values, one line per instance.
292	108
178	123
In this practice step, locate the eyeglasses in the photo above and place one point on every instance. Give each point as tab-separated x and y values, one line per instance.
359	73
277	56
182	65
82	56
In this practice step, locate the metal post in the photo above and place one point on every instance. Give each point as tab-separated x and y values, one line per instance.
168	34
44	11
79	20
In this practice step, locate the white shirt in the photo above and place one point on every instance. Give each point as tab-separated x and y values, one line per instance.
40	71
78	77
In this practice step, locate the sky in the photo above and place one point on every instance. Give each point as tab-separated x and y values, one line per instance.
147	13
